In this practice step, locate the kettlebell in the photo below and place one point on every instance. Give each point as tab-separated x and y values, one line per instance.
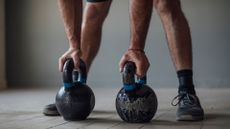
136	102
75	100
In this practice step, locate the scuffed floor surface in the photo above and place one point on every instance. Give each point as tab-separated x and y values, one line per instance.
22	109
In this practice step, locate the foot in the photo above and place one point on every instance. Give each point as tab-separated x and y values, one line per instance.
189	108
51	110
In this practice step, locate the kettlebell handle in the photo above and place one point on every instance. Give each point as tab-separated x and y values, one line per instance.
70	76
128	76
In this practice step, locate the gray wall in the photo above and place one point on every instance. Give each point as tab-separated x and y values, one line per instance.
36	38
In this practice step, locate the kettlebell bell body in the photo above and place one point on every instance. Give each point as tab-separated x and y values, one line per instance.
136	102
75	100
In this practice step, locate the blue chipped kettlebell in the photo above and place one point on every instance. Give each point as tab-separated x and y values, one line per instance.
136	102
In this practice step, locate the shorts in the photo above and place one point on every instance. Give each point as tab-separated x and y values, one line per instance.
97	0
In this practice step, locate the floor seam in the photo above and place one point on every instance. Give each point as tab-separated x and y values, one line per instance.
57	125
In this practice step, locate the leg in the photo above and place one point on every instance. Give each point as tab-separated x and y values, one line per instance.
177	32
179	39
94	16
179	42
140	15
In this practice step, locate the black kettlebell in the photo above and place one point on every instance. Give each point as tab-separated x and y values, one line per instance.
75	100
136	102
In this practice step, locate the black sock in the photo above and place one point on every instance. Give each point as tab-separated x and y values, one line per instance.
186	81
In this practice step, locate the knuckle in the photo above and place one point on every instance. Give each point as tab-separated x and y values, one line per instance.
61	59
126	56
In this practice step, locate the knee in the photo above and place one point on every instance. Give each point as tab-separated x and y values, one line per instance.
168	7
95	14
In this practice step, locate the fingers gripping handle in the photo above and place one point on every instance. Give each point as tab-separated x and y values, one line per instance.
70	75
128	77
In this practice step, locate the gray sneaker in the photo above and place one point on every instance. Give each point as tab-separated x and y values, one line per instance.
51	110
189	108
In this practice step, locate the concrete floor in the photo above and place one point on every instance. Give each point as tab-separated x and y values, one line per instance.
22	109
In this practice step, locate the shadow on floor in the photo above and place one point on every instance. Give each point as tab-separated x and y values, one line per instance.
217	116
102	112
211	119
104	120
170	123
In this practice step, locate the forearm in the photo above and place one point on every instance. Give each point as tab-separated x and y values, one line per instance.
71	12
94	16
140	15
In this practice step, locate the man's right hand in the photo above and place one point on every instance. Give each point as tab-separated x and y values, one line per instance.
139	58
73	53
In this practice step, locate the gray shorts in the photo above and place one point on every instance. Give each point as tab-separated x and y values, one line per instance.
97	0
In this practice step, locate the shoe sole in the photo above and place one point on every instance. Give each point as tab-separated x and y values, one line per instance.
189	118
50	113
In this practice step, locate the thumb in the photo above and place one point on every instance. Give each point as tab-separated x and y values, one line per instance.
122	63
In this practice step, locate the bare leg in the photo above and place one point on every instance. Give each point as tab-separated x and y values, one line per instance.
179	42
177	32
94	16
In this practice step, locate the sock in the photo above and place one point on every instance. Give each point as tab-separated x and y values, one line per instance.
186	81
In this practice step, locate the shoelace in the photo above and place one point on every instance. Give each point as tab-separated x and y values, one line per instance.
188	99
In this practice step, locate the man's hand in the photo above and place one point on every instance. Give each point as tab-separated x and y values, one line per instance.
140	60
71	53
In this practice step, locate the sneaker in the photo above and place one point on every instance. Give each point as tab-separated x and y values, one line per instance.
51	110
189	108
